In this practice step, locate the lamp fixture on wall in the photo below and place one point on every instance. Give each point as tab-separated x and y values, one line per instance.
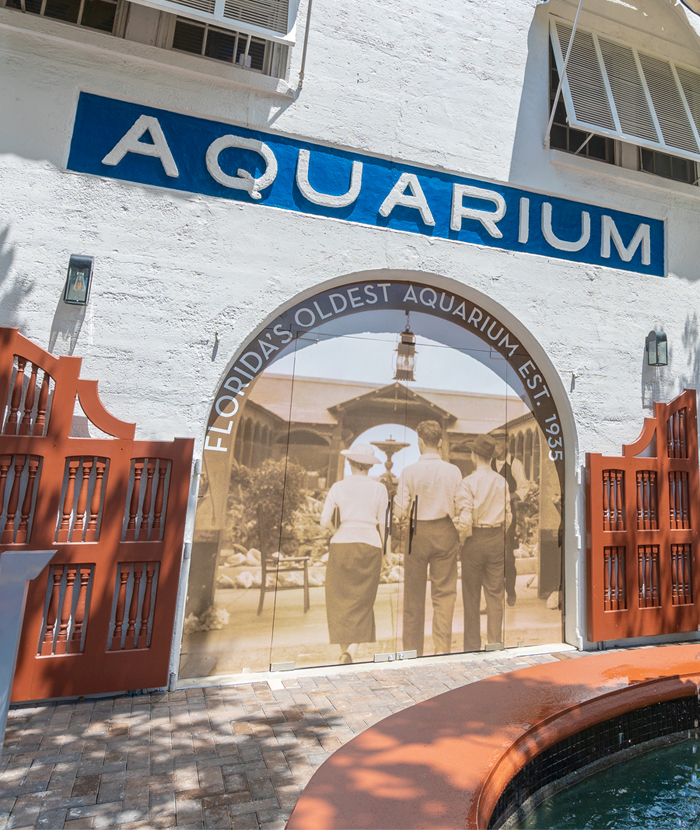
405	362
77	287
657	352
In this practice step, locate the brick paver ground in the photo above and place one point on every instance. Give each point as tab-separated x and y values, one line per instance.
216	757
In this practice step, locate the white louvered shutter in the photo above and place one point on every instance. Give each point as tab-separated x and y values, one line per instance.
613	89
586	84
268	14
271	19
670	110
690	83
628	91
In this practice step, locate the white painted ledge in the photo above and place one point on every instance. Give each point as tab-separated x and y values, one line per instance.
100	42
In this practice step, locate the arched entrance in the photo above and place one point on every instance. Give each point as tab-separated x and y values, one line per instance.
320	374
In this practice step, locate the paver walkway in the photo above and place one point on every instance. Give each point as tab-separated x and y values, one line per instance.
215	757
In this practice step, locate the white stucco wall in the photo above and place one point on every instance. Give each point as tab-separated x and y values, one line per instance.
462	87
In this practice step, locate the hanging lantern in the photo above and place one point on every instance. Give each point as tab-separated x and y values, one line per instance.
405	363
77	288
657	354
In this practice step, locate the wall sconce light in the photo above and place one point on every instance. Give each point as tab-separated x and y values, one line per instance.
406	354
656	348
77	288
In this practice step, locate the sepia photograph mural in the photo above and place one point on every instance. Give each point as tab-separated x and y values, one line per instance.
380	479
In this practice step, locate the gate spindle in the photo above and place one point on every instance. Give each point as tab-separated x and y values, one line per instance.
11	426
134	504
41	406
146	610
124	571
134	604
23	532
80	516
73	464
146	507
100	467
160	491
5	464
8	533
77	635
71	573
26	423
52	611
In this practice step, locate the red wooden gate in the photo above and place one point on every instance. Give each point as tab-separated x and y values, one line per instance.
100	617
643	517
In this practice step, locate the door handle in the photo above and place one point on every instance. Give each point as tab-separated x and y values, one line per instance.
388	516
412	523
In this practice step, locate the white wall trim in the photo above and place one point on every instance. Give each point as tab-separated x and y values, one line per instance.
613	172
100	42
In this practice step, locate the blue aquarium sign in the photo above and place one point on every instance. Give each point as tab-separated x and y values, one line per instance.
155	147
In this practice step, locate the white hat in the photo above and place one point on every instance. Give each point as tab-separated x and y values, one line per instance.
361	454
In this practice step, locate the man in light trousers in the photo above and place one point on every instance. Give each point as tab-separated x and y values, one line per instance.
483	502
435	545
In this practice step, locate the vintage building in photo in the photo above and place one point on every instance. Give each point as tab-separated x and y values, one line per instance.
304	233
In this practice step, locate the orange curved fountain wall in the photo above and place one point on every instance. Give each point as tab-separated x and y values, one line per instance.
444	762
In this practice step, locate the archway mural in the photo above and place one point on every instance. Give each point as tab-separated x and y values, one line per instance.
316	382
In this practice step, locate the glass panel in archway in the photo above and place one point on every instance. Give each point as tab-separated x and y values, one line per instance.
339	570
447	579
232	580
334	386
536	614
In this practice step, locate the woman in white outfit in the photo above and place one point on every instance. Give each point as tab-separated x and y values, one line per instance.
355	558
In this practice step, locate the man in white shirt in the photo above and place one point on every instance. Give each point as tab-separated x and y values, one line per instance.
514	473
483	503
435	544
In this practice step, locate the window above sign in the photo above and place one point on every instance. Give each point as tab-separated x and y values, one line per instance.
580	138
221	44
272	19
614	90
93	14
183	32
